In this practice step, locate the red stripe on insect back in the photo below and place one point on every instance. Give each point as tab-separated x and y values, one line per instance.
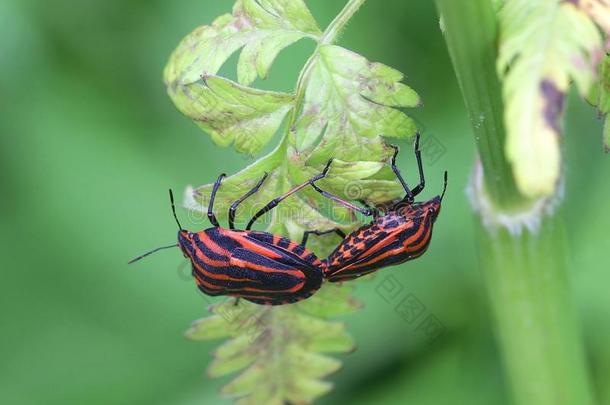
425	226
286	246
249	265
212	245
421	236
388	239
211	286
379	244
289	290
217	276
416	234
209	262
373	260
248	244
292	246
201	282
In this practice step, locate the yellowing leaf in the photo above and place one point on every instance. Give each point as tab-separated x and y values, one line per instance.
282	345
231	113
351	101
544	44
599	10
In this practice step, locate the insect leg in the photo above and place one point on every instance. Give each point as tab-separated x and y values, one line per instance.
364	211
273	203
374	210
319	233
422	182
444	186
211	215
248	194
409	193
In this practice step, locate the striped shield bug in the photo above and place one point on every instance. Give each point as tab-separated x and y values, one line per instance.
258	266
402	233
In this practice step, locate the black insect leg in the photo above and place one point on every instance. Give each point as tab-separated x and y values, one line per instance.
374	210
422	182
409	194
211	215
444	186
364	211
171	201
319	233
273	203
234	206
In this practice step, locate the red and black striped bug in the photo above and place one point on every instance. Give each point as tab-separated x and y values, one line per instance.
258	266
402	233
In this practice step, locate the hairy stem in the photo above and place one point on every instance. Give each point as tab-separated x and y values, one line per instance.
334	29
524	272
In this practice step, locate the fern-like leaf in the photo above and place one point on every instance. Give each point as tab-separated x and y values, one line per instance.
279	348
220	107
544	44
341	106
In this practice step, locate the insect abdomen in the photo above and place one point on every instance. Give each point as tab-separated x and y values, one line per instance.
378	245
236	263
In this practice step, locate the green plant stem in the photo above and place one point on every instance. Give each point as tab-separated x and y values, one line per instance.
536	325
337	25
471	39
330	36
525	273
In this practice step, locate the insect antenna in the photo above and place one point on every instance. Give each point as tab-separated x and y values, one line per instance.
171	199
151	252
444	186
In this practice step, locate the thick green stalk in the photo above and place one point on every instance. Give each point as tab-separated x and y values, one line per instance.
524	270
538	334
472	39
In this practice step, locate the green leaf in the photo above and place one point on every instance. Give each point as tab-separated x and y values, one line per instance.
600	98
233	187
262	27
232	356
337	301
231	113
544	44
349	99
282	345
227	111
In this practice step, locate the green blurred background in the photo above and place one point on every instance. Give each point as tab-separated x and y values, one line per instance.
89	145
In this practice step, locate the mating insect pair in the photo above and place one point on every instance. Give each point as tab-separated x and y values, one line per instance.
269	269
